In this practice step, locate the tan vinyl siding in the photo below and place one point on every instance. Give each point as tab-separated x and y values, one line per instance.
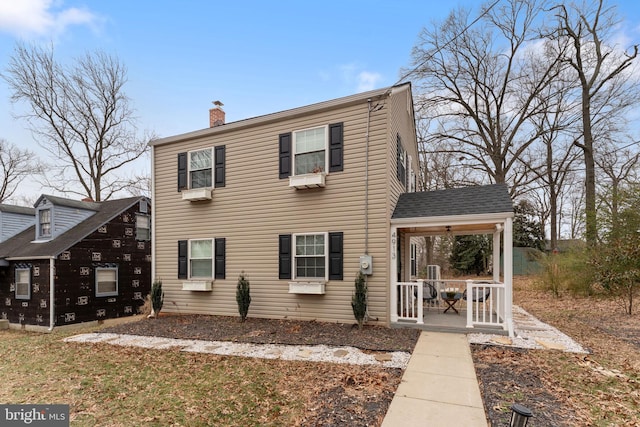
255	207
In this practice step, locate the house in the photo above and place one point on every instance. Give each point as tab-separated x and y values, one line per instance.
299	200
81	261
14	219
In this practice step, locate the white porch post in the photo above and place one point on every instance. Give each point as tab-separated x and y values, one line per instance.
496	253
393	275
508	274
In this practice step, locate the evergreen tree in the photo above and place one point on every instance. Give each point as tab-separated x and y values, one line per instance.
243	297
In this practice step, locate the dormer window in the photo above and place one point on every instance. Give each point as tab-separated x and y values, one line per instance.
44	223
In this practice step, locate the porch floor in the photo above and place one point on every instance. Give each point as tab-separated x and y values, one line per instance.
437	321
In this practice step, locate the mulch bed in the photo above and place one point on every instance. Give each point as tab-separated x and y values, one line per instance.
272	331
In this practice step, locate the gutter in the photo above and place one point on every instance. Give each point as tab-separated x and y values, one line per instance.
52	297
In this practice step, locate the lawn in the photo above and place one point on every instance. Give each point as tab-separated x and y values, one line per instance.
125	386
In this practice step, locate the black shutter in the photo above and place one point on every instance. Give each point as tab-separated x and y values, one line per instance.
284	256
182	171
335	147
220	257
219	166
285	155
335	256
183	254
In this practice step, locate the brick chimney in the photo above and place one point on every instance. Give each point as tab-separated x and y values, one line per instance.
216	114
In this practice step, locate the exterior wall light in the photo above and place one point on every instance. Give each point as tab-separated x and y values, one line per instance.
519	416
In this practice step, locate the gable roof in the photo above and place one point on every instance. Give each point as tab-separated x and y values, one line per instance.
477	200
70	203
22	210
22	245
286	114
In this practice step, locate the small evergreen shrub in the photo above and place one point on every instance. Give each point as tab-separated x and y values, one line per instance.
243	297
157	298
359	299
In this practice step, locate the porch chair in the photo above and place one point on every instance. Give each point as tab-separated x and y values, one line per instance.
479	295
429	294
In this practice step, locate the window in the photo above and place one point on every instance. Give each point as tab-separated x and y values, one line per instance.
143	231
143	206
310	150
310	256
401	162
23	283
44	220
200	168
201	258
106	281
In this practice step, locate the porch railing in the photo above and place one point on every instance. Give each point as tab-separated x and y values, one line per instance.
484	301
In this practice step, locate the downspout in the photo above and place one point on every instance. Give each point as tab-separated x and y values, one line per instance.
52	296
366	181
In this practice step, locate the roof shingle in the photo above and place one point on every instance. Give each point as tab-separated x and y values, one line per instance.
476	200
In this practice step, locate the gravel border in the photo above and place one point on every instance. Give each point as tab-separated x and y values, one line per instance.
531	333
312	353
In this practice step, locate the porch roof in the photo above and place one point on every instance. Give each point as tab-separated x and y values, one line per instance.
466	210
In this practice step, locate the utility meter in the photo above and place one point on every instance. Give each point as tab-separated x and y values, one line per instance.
366	266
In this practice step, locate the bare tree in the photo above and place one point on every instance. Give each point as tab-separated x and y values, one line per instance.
554	156
80	115
15	166
606	89
619	168
482	84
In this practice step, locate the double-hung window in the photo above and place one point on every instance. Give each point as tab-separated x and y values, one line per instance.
143	229
310	256
201	168
201	259
44	223
310	150
23	283
106	281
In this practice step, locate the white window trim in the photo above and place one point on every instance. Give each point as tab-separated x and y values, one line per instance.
106	294
295	257
148	226
213	257
21	296
326	148
39	235
213	161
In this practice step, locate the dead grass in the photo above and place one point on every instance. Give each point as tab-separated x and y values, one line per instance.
599	389
124	386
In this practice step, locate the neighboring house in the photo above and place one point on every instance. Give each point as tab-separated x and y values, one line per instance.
81	261
14	219
298	200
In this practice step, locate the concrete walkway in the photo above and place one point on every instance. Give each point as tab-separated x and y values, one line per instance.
439	386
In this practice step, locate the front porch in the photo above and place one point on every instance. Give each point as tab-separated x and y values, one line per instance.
443	305
450	309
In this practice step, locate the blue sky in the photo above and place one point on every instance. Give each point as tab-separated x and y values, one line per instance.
257	57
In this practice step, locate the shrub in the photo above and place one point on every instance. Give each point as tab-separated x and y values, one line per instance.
617	268
157	298
243	297
359	299
565	272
